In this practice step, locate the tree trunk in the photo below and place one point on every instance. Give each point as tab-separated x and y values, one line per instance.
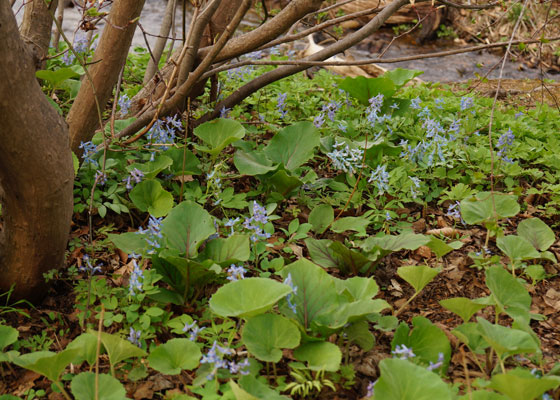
109	58
36	29
36	172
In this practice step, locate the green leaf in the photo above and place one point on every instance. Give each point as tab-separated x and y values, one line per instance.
184	162
150	196
316	294
349	261
508	293
357	288
480	208
418	276
252	163
517	248
86	344
426	340
469	333
284	183
129	242
55	78
218	134
321	217
408	241
83	387
403	380
321	254
119	349
522	385
506	341
239	393
359	333
247	297
319	356
356	224
439	247
152	168
265	335
462	306
483	395
537	233
293	145
401	76
174	356
186	226
364	89
8	335
231	250
47	363
259	389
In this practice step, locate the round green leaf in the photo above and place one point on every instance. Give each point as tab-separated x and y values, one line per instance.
186	226
266	334
403	380
252	163
8	335
247	297
218	133
174	356
83	387
149	196
517	248
537	233
293	145
319	356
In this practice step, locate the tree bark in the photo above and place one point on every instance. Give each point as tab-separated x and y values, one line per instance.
109	58
36	172
36	29
164	30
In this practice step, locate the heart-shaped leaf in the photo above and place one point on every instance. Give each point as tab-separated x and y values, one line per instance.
517	248
47	363
418	276
83	387
247	297
520	384
506	341
174	356
119	349
320	356
217	134
226	251
150	196
186	226
463	307
537	233
293	145
252	163
266	334
403	380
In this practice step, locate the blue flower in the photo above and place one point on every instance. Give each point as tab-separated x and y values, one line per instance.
415	103
224	112
89	151
136	278
381	178
236	273
194	330
135	175
87	267
403	352
134	337
437	364
346	159
281	104
288	281
505	141
256	222
319	120
466	103
153	234
124	104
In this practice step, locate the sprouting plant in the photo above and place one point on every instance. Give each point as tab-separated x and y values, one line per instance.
306	384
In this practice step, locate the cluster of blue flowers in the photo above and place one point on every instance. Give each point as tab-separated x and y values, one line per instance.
288	281
124	104
505	141
134	337
100	177
235	272
135	175
346	159
164	130
193	330
135	283
89	151
215	357
87	267
231	223
381	178
80	46
256	223
281	104
153	234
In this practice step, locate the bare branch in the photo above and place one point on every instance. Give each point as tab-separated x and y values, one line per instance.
470	6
